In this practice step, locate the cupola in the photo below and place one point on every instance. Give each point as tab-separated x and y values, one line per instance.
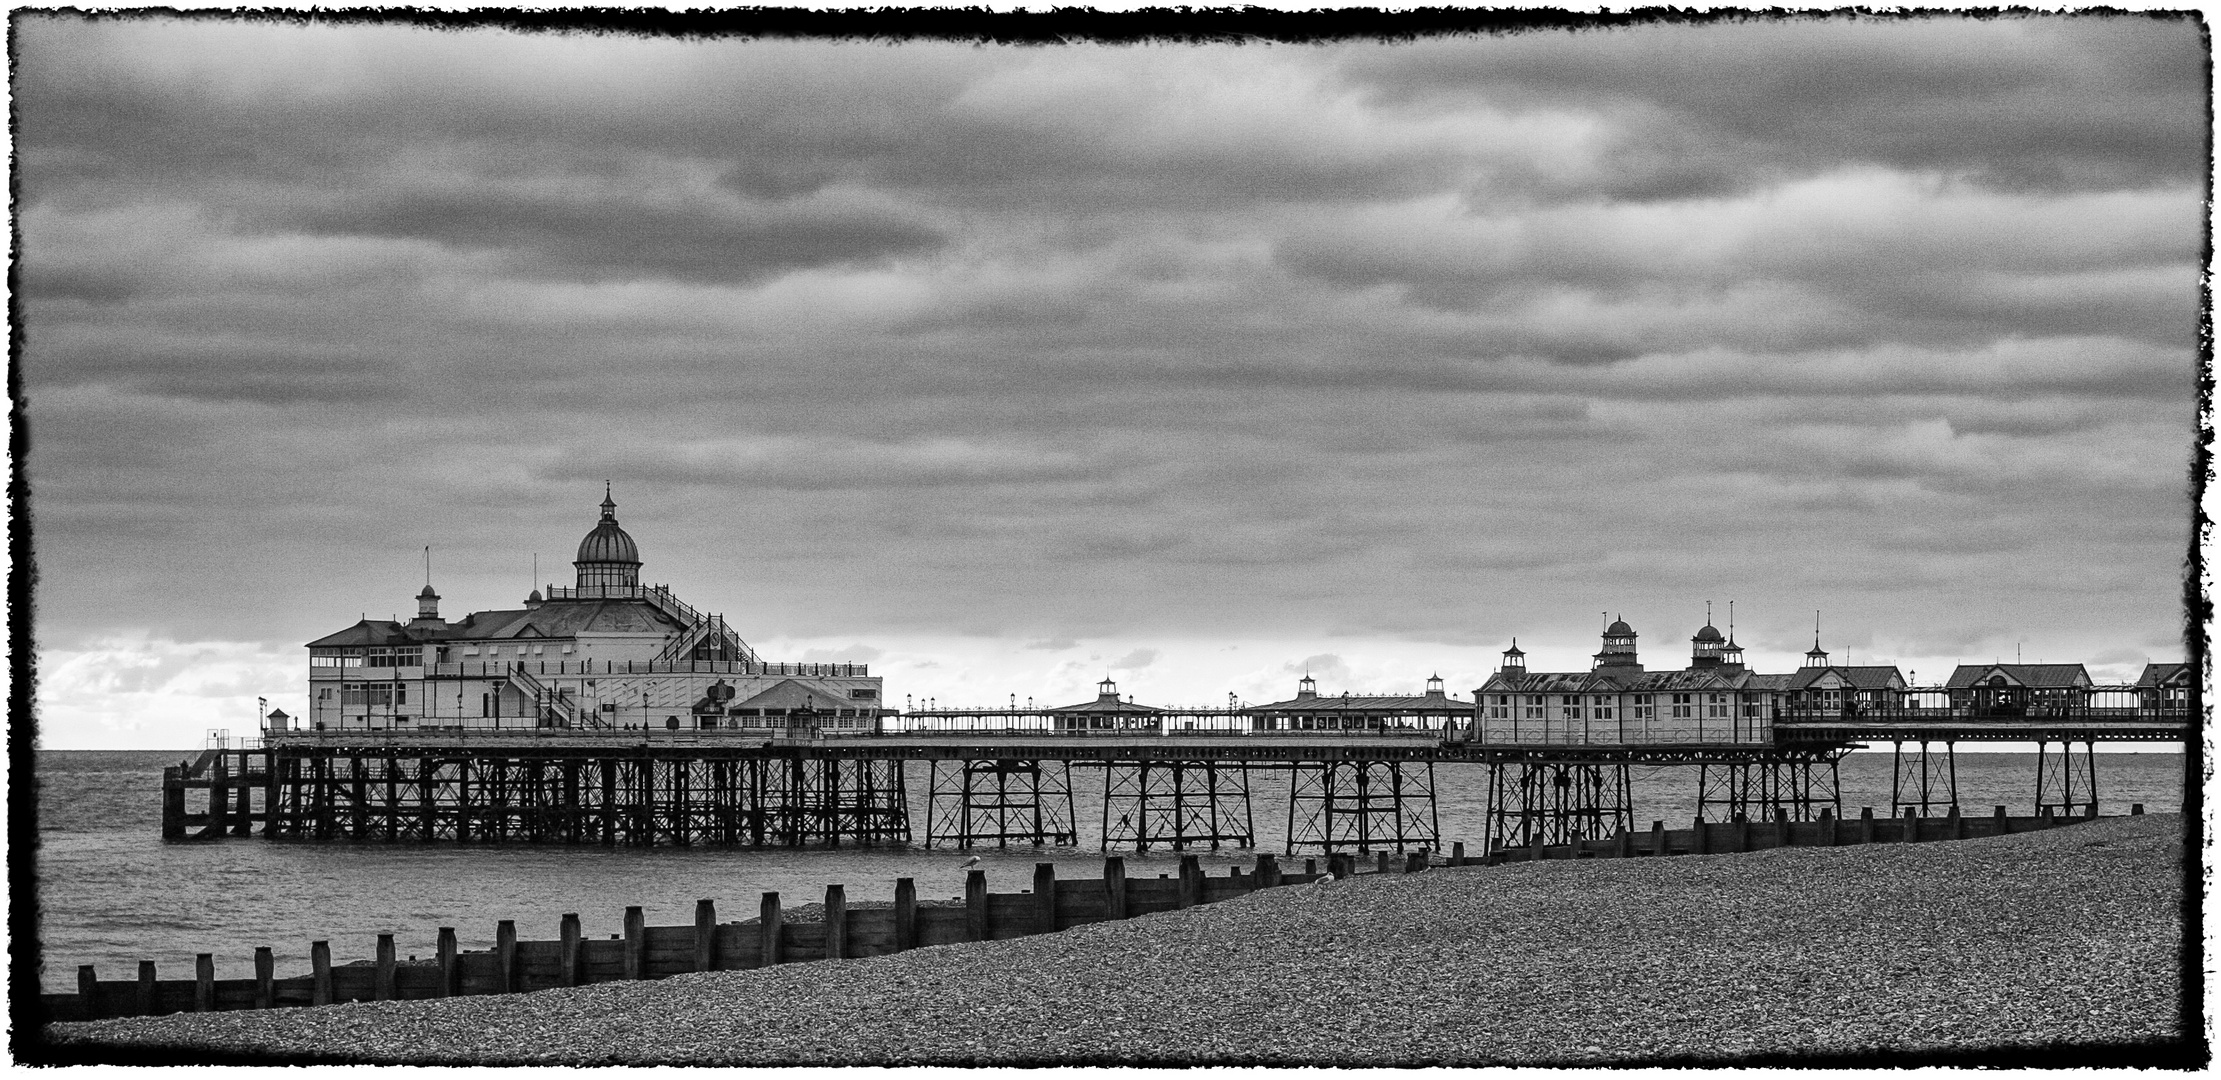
607	558
1106	690
1619	648
1515	661
1307	687
1434	685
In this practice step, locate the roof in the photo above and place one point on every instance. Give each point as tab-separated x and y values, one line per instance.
1108	705
2037	676
2162	674
1351	703
608	542
1709	633
794	694
1862	677
1608	681
1619	627
552	619
366	632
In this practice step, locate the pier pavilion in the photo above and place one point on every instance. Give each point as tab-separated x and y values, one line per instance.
605	653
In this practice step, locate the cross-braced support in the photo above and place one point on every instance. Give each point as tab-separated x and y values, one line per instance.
1793	786
974	801
1176	803
1556	802
2066	784
1366	805
1924	781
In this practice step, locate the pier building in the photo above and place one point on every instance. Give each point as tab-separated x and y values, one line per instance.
607	652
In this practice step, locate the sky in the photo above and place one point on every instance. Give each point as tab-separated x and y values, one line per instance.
1004	369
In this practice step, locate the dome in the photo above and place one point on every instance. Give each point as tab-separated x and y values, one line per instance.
608	543
427	594
1619	627
1709	633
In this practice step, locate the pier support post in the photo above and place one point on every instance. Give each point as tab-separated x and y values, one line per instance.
2066	783
1546	802
1176	803
1367	804
1923	780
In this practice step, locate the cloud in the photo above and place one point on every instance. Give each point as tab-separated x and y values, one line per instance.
1135	660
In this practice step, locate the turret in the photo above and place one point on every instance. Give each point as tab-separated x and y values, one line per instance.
1434	685
1307	687
1515	661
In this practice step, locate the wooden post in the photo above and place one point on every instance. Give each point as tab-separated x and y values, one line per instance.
1114	887
769	930
571	949
1742	833
906	914
1457	853
1310	866
1699	837
1912	827
204	982
1831	831
1415	862
505	957
88	991
836	922
1268	871
265	975
636	944
1191	881
1955	824
1657	838
1045	898
975	905
2136	809
320	970
1380	864
145	1000
381	980
705	935
451	968
1784	836
1623	843
1866	824
1534	846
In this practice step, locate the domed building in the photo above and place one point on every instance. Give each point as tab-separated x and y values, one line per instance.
607	652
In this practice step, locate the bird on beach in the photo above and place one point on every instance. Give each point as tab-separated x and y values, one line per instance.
1317	883
968	863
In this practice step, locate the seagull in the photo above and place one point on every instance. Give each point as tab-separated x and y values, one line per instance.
968	863
1317	883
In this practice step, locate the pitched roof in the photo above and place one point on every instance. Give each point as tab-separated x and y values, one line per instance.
2162	674
794	694
1108	706
2039	676
1862	677
1400	703
366	632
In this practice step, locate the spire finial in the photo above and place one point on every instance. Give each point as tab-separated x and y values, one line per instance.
427	566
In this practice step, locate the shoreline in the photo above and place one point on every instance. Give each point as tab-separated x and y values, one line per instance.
1994	946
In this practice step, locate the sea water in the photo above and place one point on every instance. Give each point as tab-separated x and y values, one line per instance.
111	892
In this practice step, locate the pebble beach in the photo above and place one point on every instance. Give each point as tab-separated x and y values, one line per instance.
1986	950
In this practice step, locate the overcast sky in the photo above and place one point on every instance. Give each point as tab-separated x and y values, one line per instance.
1001	368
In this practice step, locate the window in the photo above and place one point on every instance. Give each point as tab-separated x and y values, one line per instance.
1715	706
335	658
1499	707
1534	708
1569	706
863	693
403	656
1603	708
1683	709
375	694
1643	708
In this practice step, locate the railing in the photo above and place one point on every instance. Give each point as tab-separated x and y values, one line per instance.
498	669
1884	714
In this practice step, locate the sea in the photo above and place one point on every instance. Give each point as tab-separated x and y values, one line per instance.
111	892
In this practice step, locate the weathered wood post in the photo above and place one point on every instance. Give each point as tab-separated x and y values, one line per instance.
1700	839
636	944
1457	853
1415	861
1311	866
836	922
571	947
1114	887
1866	824
1191	881
1742	833
381	979
2136	809
204	982
1831	827
2003	823
1534	845
1912	827
975	905
1380	864
1954	824
1623	843
265	977
1268	870
320	972
144	1000
1044	898
768	931
451	968
906	914
1658	838
505	957
173	803
705	935
88	991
